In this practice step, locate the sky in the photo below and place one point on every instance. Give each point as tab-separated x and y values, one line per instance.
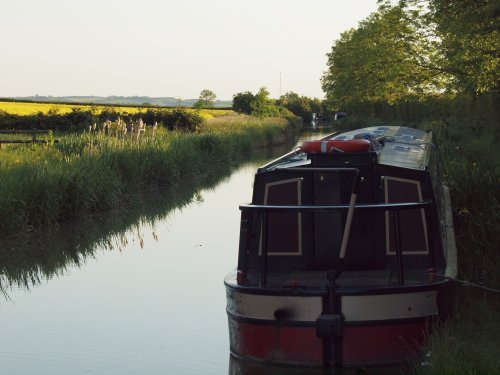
164	48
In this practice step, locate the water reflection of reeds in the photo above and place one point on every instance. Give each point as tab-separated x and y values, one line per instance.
30	260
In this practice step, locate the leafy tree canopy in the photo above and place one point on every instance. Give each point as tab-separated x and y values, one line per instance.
301	106
242	101
468	32
385	59
259	105
262	105
206	99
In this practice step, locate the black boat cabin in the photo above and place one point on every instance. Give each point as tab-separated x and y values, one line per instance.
387	179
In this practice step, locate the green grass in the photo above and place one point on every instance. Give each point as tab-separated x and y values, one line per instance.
27	260
468	344
93	172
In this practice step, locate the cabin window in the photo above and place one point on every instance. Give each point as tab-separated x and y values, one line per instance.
412	224
284	230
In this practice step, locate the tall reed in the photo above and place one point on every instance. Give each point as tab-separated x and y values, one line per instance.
469	343
95	171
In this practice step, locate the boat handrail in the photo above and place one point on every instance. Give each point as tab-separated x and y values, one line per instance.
355	171
295	151
263	211
331	208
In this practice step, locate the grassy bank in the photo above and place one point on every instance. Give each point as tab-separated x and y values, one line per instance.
95	172
469	343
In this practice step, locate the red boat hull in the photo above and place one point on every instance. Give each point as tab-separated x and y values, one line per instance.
377	343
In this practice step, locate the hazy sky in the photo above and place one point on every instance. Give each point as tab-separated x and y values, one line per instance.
169	48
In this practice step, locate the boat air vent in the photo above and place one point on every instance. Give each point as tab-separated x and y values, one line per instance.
402	148
408	136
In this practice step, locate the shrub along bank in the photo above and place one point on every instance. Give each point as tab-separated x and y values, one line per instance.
80	120
95	171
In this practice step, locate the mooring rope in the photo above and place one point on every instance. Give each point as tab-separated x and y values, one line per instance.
467	283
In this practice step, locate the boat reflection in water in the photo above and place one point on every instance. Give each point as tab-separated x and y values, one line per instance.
345	253
244	367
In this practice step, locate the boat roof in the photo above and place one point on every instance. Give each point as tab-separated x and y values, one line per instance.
403	146
400	146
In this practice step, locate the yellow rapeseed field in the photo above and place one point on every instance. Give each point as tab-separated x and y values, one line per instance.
23	109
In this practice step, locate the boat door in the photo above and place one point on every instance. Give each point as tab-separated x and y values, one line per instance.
334	188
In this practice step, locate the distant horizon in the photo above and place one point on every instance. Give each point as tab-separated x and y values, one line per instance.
196	97
125	48
115	100
102	96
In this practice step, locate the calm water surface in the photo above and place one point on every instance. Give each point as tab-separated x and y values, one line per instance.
146	298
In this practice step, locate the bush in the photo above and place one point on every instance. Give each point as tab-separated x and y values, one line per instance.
75	120
78	120
182	120
259	105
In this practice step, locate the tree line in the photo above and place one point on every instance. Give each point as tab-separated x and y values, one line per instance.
413	51
182	119
261	105
291	103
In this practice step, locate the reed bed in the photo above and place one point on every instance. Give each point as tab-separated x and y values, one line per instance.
469	343
95	171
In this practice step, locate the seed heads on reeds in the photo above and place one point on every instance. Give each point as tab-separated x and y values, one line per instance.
94	171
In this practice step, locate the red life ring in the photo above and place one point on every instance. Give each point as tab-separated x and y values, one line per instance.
332	145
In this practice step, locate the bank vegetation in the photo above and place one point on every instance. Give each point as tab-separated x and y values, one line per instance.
436	65
99	168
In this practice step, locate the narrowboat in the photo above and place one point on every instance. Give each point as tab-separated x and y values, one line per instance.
346	252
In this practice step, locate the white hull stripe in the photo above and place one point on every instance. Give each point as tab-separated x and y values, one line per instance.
264	307
389	306
355	308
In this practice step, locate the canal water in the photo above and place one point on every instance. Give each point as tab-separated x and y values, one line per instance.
136	291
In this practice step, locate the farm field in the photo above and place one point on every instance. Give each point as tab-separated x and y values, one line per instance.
26	109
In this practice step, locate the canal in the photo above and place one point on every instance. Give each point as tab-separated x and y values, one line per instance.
137	291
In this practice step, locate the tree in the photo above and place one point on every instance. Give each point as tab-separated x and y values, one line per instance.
316	105
469	31
242	102
298	105
259	105
206	99
467	35
263	106
384	59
